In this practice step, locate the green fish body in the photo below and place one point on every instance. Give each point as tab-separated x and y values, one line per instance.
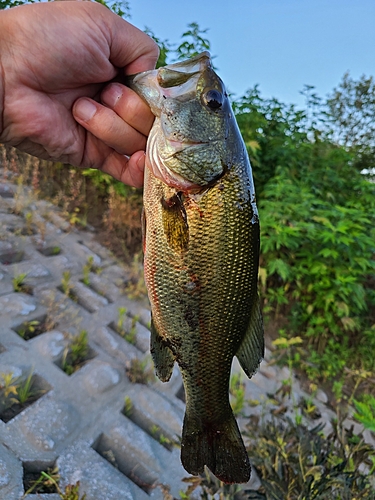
201	252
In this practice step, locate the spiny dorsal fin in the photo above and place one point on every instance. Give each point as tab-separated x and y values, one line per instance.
161	354
251	350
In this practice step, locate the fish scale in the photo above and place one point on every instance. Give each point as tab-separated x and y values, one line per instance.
201	246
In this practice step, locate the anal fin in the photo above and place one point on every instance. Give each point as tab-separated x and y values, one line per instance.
251	350
161	354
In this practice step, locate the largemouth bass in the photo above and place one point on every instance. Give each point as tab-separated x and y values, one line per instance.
201	251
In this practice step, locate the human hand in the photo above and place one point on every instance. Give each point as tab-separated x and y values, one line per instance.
55	59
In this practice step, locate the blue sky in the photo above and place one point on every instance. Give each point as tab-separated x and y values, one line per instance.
279	44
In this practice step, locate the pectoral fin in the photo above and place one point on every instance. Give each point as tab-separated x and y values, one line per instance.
175	224
161	354
251	350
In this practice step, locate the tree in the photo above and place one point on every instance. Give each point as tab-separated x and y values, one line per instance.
351	112
351	108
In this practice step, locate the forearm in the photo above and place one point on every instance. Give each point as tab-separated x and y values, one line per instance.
2	75
8	41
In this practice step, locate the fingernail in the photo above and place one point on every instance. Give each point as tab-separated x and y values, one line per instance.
111	95
84	110
141	161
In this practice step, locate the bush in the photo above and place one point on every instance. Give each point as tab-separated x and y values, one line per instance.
318	247
298	463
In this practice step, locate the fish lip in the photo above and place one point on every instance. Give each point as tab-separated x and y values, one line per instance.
181	145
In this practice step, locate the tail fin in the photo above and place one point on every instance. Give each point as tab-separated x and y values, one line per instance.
218	445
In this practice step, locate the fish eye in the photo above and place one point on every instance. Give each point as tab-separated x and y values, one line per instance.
213	99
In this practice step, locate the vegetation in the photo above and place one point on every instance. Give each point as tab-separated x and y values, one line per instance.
237	393
76	353
295	462
126	325
87	269
365	413
30	329
18	282
140	371
45	482
48	482
17	393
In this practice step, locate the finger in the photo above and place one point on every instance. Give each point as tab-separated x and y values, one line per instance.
127	170
108	127
129	106
96	154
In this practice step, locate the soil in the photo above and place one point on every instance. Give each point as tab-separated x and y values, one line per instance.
11	412
31	477
44	325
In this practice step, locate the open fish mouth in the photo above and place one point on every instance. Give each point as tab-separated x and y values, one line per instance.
180	145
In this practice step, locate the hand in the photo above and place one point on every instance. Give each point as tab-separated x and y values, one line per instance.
55	59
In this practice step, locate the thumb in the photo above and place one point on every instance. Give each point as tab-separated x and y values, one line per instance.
130	48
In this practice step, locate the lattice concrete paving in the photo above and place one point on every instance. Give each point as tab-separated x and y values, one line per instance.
96	426
78	422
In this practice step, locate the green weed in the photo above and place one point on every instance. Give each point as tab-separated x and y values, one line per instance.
128	406
19	282
296	462
75	354
8	384
237	392
25	390
159	436
129	335
28	329
365	413
47	482
140	371
66	286
50	481
29	221
87	269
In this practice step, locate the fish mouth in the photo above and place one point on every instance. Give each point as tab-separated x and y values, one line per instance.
177	146
171	81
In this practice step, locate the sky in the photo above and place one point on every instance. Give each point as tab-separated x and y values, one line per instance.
279	44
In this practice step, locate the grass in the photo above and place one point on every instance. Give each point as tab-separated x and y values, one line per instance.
49	482
87	269
237	393
129	334
46	482
16	394
297	462
76	353
18	282
30	329
25	390
140	371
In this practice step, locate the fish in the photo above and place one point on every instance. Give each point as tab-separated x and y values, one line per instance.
201	252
